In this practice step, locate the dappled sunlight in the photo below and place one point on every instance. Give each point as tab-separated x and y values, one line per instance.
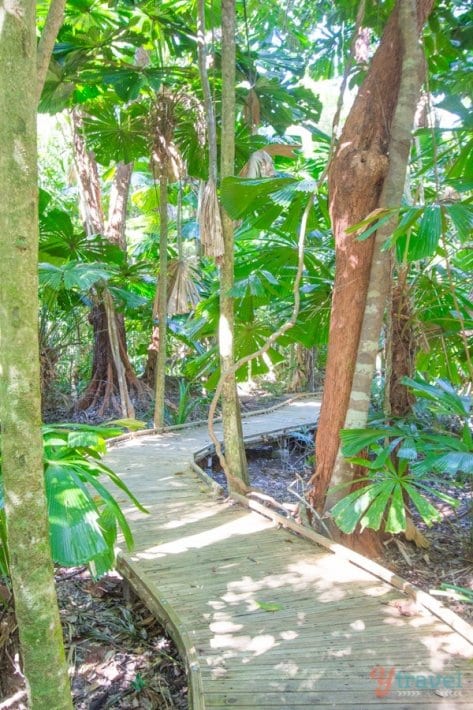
193	517
305	404
258	616
244	525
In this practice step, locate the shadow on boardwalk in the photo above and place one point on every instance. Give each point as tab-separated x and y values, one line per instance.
265	618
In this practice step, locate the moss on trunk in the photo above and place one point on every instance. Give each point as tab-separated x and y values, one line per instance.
20	403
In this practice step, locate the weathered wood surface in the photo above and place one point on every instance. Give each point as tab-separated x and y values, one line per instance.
265	618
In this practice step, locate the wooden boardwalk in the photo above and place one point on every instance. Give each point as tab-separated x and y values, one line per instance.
266	618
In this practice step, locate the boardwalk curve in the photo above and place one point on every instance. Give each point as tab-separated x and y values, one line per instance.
268	619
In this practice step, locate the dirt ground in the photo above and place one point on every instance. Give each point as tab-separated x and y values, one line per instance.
119	655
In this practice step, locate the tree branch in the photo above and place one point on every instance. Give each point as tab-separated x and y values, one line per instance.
53	24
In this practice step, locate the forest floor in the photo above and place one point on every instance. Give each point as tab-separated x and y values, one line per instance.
181	406
280	469
119	655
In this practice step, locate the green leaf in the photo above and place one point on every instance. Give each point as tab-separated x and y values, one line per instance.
349	510
96	468
72	275
112	504
428	236
239	195
354	440
86	439
426	510
74	531
126	82
396	520
461	215
443	396
117	134
374	515
454	462
131	424
269	606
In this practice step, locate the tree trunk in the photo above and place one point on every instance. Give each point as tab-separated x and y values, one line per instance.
115	229
356	178
160	388
303	369
113	384
20	406
235	454
400	348
393	188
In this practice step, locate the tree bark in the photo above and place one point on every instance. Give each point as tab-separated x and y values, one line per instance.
356	177
160	388
303	369
235	454
400	348
20	403
411	76
115	230
113	383
53	24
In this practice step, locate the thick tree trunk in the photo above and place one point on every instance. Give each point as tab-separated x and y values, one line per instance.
113	384
20	406
356	178
235	454
160	388
378	289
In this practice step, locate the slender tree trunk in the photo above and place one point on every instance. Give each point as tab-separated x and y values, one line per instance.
378	289
113	382
115	229
400	348
303	372
162	300
232	429
356	178
20	406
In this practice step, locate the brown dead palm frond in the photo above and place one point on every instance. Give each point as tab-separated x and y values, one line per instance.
252	111
165	156
260	163
183	294
210	222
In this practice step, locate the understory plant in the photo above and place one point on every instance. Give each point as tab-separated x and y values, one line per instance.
407	461
84	516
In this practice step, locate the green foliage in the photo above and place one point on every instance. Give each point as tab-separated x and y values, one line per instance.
4	556
84	517
117	134
188	402
407	460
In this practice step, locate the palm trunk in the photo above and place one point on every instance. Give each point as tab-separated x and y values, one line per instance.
356	177
31	567
379	283
162	301
400	348
232	429
113	383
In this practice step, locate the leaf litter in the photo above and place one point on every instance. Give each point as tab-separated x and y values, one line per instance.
118	653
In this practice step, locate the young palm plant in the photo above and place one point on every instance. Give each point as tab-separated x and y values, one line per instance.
408	461
84	517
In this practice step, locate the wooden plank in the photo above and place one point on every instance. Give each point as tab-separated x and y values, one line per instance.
356	699
436	607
